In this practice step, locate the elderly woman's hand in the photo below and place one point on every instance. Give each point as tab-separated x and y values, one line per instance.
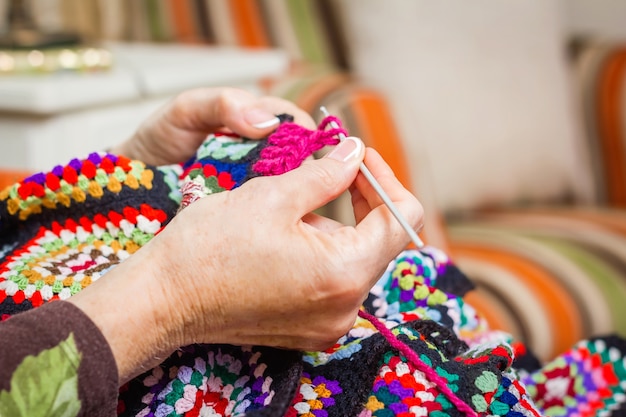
174	132
254	266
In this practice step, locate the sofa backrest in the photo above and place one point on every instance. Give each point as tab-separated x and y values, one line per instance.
483	93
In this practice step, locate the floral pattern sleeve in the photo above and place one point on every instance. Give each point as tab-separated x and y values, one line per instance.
54	362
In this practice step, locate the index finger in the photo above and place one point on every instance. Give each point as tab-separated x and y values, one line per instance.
375	222
206	109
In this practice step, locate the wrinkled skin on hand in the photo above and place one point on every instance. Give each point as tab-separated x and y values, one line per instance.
254	265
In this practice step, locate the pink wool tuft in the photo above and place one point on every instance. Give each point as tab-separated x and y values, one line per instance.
291	144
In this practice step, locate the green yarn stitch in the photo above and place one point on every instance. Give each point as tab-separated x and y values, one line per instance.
52	246
463	317
57	287
75	288
136	168
407	306
479	403
499	408
22	266
450	377
140	237
385	396
212	184
83	182
22	283
30	201
487	382
65	187
119	173
102	178
421	293
196	378
107	238
406	282
437	298
428	272
620	369
175	394
426	360
443	400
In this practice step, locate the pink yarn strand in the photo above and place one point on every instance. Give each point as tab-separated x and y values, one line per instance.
291	144
430	373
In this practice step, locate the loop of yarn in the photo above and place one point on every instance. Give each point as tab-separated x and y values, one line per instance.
291	144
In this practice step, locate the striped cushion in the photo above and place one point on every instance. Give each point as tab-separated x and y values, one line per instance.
549	276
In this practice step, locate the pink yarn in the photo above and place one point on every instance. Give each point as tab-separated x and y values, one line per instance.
291	144
430	373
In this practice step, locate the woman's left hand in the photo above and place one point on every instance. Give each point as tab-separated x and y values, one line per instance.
174	132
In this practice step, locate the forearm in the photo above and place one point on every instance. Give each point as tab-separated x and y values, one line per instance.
58	351
132	315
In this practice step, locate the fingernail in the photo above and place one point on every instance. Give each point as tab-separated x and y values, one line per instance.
347	149
261	119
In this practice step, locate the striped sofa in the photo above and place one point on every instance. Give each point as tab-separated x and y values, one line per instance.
557	273
549	275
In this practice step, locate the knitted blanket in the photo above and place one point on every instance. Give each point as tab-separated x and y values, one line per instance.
416	349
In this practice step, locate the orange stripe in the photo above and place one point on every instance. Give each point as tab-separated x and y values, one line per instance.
486	309
564	316
249	23
379	132
184	24
610	116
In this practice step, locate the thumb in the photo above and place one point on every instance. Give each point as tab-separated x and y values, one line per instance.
317	182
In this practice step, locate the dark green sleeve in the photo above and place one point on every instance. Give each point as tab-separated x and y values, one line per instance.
54	361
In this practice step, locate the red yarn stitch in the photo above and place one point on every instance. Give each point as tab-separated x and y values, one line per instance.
430	374
291	144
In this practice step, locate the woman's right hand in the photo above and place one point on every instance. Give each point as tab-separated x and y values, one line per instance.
254	266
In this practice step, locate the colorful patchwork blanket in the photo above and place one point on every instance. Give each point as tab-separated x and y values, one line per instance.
416	348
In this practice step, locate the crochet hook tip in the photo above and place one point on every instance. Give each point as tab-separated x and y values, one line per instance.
381	192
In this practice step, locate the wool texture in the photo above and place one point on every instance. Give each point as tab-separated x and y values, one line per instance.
416	348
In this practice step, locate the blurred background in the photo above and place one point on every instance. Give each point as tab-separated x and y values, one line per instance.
507	119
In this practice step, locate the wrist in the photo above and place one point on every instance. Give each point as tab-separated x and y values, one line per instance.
124	306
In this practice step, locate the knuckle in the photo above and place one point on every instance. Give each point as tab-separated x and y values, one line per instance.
224	100
414	212
265	193
322	174
418	211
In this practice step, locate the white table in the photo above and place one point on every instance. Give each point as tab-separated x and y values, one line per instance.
48	119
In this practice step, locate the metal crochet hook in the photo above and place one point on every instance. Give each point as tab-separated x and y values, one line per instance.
379	190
